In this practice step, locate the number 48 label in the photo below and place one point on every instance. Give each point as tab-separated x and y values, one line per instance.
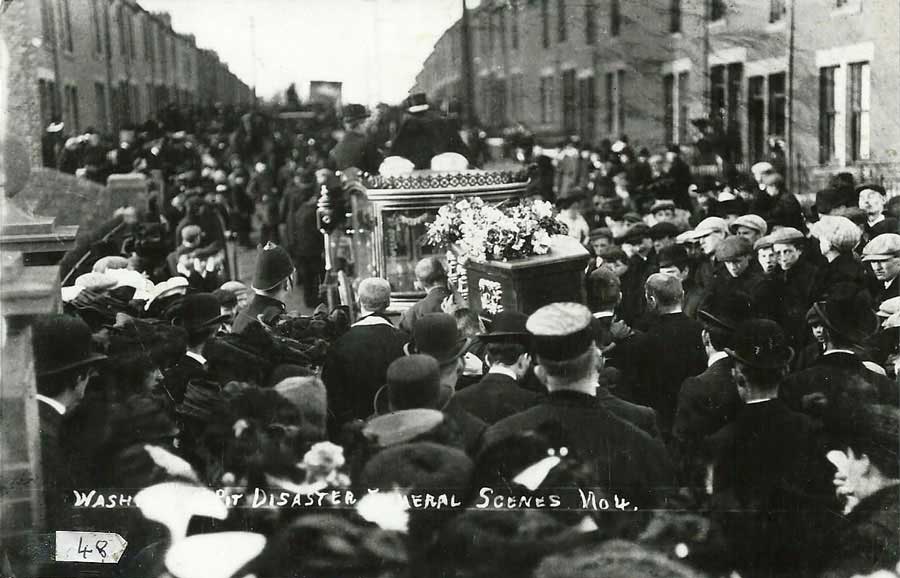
89	547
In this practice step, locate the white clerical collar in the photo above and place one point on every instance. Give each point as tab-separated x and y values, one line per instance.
887	284
503	371
200	359
830	351
603	314
718	355
372	320
876	220
60	408
751	402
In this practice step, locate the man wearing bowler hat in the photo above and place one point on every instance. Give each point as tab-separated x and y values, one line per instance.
769	477
624	458
499	394
437	335
272	282
355	149
201	317
63	364
883	255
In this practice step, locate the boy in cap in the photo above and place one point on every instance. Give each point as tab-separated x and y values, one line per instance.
751	227
498	394
676	261
624	458
742	276
272	282
795	280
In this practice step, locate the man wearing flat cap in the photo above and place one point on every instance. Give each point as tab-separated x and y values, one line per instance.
769	476
742	275
272	282
63	364
795	280
883	255
624	458
708	234
355	149
499	393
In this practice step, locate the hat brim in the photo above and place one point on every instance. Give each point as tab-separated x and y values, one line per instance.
504	337
207	324
418	108
783	360
89	360
381	405
878	257
444	358
706	316
855	334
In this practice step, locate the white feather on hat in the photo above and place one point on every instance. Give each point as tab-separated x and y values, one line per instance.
217	555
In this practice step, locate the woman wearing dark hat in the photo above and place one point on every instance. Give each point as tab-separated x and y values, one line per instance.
868	474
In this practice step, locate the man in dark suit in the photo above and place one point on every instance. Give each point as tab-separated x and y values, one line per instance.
709	401
201	316
437	335
355	149
63	364
499	394
769	476
272	282
840	371
357	362
424	134
431	277
671	350
883	255
624	458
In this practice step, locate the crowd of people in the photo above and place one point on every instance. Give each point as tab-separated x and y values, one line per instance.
725	401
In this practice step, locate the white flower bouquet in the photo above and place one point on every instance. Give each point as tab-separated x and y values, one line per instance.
479	231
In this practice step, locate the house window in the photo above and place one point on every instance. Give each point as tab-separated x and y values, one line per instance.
717	92
95	21
48	21
858	110
620	109
72	107
777	10
123	33
777	105
568	101
615	18
590	23
615	118
100	105
148	40
67	26
682	106
129	25
501	29
675	16
545	23
756	115
514	24
490	33
827	114
716	10
669	107
561	31
587	105
546	99
49	102
106	29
